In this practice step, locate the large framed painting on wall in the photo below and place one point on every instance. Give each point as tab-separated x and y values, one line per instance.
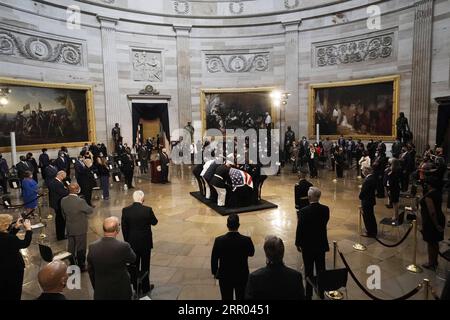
244	108
362	109
46	115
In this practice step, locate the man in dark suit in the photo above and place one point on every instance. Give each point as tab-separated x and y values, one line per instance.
50	172
22	166
275	281
137	220
368	201
301	190
127	167
61	162
229	260
108	260
53	278
165	161
56	191
75	211
311	238
85	178
44	161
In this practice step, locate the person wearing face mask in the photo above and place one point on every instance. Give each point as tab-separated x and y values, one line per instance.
75	211
165	161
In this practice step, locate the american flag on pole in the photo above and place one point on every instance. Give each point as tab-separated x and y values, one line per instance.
240	178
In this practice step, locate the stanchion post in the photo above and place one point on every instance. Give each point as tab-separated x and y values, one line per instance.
359	246
334	254
414	268
426	287
336	294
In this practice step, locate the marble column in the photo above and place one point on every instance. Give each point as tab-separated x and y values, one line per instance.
421	73
110	75
290	112
183	74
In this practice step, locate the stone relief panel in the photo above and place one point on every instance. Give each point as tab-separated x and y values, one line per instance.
147	65
33	46
236	7
181	7
238	63
355	49
291	4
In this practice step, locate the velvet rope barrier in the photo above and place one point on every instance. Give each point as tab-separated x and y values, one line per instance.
370	295
18	206
398	243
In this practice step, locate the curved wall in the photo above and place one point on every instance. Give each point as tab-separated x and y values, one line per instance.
113	37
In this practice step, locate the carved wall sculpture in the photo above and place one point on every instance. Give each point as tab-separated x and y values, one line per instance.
238	63
236	7
291	4
37	47
181	7
147	65
353	50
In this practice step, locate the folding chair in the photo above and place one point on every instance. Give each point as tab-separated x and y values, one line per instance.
48	256
393	224
327	282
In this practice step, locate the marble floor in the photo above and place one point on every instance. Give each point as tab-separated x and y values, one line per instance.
183	238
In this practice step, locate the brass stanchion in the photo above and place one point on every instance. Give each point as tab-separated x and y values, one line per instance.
426	288
359	246
414	268
335	294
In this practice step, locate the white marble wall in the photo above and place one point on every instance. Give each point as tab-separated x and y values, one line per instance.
210	33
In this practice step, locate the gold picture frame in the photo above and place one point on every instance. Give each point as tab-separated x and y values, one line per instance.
204	92
379	84
74	98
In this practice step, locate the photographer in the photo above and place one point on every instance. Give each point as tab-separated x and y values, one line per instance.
11	262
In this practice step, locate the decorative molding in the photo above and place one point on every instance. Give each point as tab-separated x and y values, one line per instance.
291	4
355	49
147	65
238	62
236	7
181	7
35	46
149	90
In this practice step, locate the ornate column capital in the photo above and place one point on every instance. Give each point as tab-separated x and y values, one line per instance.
291	26
182	30
108	22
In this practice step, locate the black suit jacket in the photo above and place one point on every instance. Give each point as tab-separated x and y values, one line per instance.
51	296
22	167
301	193
44	160
50	172
368	190
107	265
275	282
312	228
229	258
10	256
56	191
137	220
84	176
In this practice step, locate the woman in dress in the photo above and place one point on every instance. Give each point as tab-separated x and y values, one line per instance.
29	192
433	221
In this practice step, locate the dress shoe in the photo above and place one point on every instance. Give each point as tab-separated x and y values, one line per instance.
429	266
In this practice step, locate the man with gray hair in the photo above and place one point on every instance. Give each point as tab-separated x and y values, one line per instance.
56	191
311	238
137	220
275	281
